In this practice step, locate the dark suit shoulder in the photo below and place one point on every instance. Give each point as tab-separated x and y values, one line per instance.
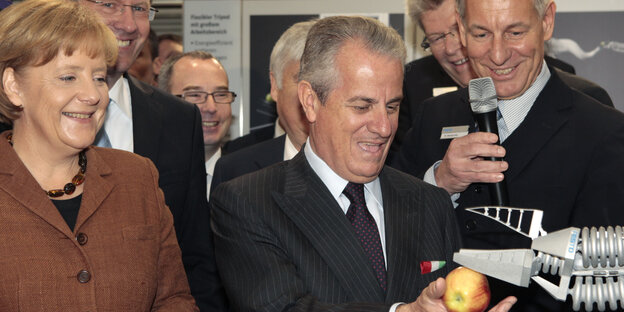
561	65
406	183
254	189
585	86
445	103
426	72
248	160
593	116
169	102
427	64
249	153
249	139
264	180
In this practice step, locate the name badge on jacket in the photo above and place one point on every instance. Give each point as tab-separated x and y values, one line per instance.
453	132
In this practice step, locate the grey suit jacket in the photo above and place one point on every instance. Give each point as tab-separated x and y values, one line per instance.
283	243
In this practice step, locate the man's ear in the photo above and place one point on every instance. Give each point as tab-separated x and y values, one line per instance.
156	65
11	87
548	21
308	99
274	89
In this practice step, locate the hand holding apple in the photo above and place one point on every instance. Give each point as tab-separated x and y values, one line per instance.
466	291
433	297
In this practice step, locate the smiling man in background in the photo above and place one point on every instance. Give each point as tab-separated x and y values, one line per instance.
562	149
447	68
199	78
167	130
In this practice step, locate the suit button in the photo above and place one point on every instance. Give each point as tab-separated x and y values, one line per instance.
477	189
471	224
84	276
82	238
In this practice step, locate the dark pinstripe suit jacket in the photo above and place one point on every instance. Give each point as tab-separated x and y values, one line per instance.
283	243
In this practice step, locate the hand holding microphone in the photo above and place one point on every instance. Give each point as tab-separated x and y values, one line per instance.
477	156
484	104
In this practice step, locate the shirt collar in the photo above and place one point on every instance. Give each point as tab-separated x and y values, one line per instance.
334	183
289	149
279	131
515	110
119	93
212	161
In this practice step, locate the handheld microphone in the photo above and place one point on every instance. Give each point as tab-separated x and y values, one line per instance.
483	102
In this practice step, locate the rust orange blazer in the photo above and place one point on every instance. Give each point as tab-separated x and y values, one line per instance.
121	256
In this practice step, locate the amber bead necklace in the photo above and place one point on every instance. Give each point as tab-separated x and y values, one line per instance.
78	179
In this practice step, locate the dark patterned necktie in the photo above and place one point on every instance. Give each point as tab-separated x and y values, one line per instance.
366	229
503	132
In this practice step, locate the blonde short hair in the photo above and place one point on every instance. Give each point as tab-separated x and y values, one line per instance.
34	32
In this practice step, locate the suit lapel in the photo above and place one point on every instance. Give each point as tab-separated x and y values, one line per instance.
309	204
464	112
16	180
96	187
19	183
549	113
146	119
400	203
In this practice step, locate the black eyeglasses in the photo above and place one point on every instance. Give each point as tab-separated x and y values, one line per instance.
436	40
200	97
114	8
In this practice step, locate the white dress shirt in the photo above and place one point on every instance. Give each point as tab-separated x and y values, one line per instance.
335	184
289	149
210	166
118	120
278	130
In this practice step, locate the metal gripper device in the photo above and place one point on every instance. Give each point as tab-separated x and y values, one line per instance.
591	258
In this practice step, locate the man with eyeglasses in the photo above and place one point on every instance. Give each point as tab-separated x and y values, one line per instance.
447	68
561	149
199	78
167	130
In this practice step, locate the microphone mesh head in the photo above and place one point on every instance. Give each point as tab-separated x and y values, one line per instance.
482	95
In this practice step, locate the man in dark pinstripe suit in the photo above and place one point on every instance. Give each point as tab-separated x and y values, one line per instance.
283	241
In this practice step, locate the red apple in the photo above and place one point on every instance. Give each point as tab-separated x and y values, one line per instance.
466	291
